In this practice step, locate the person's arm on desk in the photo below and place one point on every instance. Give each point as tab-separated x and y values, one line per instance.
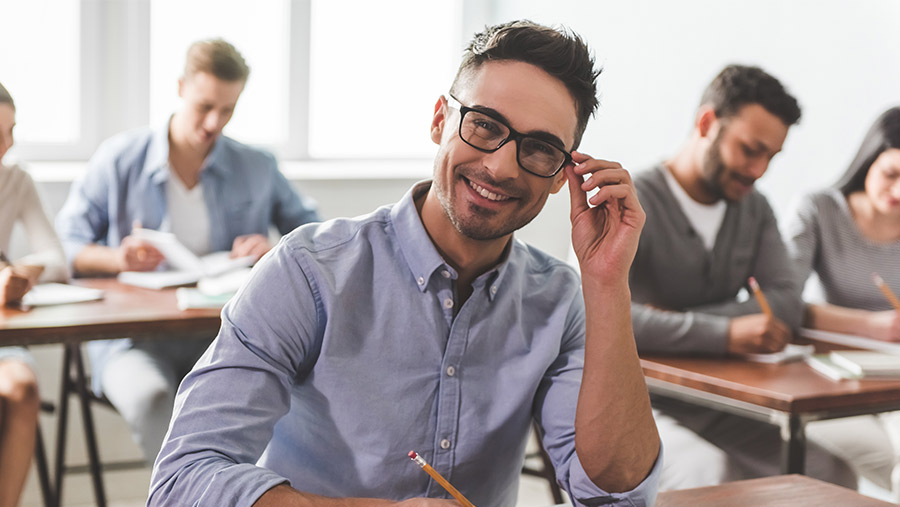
613	394
15	281
131	255
250	244
730	327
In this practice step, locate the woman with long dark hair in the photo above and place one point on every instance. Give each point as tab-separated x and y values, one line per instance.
844	234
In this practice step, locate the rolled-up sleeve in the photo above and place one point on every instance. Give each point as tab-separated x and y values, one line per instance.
583	491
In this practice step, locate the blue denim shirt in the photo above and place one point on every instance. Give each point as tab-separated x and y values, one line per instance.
345	351
125	181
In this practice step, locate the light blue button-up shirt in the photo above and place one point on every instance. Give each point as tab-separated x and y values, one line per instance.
346	350
125	181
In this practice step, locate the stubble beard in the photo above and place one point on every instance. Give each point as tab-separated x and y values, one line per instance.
475	222
714	169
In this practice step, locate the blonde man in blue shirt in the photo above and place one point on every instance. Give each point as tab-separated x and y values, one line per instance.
185	177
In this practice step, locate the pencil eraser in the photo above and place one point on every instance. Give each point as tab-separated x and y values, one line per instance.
753	283
412	455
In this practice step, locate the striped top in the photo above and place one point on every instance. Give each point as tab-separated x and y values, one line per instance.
823	238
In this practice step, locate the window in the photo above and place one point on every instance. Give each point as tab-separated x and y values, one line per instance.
44	80
373	86
259	33
323	84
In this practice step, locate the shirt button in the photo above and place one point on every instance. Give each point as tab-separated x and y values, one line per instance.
493	289
445	273
421	281
448	303
451	371
445	444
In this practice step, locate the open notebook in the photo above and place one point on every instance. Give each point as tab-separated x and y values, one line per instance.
185	268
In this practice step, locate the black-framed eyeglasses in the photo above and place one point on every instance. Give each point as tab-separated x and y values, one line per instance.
486	133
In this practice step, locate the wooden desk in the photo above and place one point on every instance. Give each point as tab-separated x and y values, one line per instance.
779	491
788	395
124	311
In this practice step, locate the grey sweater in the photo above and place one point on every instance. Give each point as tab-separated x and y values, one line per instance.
824	238
683	296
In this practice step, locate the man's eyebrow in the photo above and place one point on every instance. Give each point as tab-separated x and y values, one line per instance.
539	134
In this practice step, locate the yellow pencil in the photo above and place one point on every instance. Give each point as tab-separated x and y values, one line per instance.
760	297
440	479
888	293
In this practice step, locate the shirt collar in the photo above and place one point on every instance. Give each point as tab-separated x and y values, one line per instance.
157	161
422	256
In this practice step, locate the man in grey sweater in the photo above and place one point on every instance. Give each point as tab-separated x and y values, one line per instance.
707	231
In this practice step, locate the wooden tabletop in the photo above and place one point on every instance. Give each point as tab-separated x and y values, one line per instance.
125	311
779	491
792	388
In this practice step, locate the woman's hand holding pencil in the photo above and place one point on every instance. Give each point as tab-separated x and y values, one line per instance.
885	325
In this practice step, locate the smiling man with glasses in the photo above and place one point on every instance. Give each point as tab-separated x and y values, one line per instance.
426	325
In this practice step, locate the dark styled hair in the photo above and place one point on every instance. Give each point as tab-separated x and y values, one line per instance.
216	57
5	97
559	52
740	85
883	135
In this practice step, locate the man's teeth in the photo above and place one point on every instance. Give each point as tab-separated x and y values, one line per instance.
487	194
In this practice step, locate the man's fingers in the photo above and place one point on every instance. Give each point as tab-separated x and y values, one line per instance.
577	195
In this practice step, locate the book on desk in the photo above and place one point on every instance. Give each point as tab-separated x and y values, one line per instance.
184	268
867	363
856	365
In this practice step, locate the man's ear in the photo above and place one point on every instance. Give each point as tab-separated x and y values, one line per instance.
437	121
558	181
706	120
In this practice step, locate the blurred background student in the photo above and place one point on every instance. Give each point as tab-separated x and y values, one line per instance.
19	400
188	178
844	233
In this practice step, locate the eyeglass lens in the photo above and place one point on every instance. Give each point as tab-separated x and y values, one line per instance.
486	133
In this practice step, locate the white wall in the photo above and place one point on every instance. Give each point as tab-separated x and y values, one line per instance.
840	58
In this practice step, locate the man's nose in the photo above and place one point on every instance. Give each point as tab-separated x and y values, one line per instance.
503	163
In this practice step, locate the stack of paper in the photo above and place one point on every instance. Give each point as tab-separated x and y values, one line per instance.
59	294
185	267
868	364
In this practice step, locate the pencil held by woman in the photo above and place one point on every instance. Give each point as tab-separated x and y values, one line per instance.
888	293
